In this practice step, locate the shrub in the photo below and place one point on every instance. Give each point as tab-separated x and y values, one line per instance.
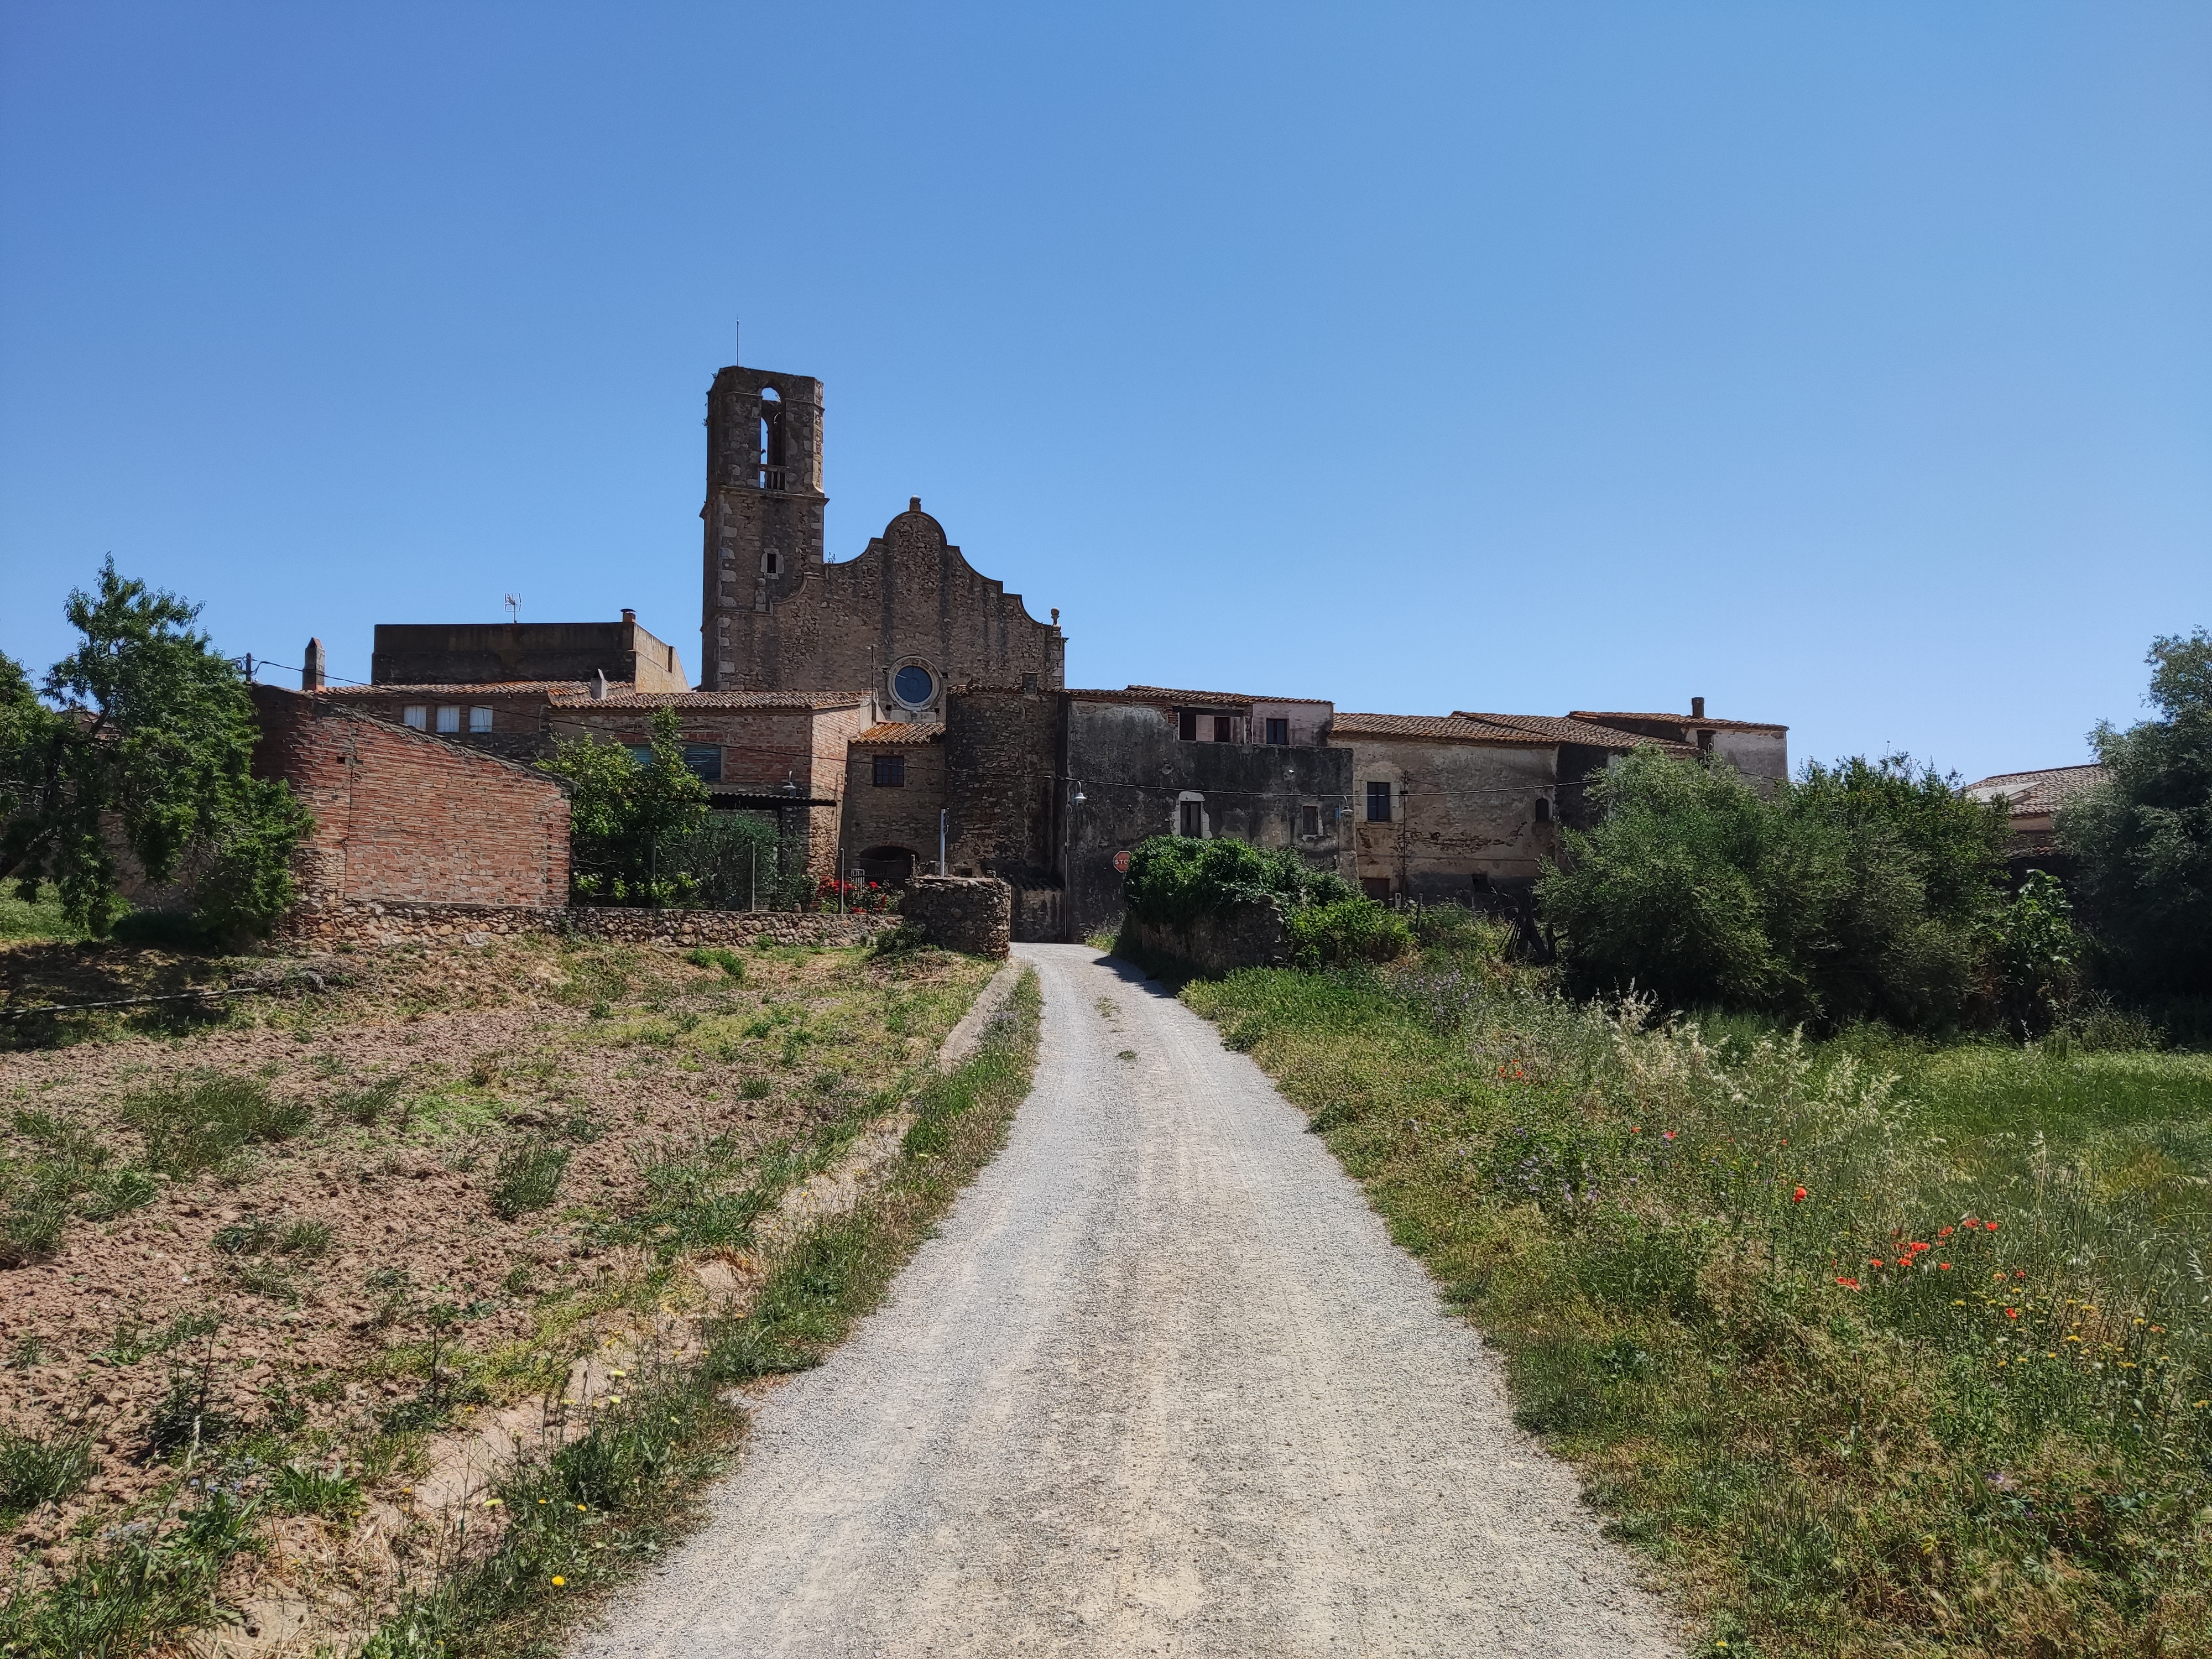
1867	890
1175	880
623	814
1349	930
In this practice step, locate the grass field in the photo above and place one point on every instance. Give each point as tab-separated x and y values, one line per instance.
1871	1348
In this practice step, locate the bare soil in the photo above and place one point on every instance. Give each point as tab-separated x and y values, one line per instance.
368	1352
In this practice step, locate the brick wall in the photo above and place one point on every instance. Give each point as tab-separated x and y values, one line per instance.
400	816
905	816
1002	750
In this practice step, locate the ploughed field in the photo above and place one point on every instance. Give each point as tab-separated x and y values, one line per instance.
278	1268
1871	1346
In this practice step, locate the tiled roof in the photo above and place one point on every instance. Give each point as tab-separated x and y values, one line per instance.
892	734
1707	721
1563	728
581	700
2032	792
1449	728
1205	699
511	688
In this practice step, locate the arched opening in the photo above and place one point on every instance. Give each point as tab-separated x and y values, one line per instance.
771	438
913	685
1543	809
887	867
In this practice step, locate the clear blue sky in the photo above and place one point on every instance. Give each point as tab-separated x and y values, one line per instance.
1849	364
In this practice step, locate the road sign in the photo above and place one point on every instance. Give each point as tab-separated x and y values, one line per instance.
1122	863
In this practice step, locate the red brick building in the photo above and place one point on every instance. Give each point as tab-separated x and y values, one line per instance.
403	817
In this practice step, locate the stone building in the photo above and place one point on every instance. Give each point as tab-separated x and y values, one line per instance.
905	620
783	752
483	654
1755	748
1465	808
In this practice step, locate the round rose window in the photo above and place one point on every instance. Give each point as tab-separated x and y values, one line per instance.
913	685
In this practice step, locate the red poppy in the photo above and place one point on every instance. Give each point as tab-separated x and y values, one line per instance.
1990	1225
1874	1262
2012	1313
1944	1266
1945	1232
1797	1197
1850	1283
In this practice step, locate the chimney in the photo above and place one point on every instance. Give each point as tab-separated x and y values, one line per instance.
630	616
1696	709
311	667
599	685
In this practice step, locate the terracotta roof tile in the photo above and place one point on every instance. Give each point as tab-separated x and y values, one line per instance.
1204	699
1448	728
583	699
2032	792
1708	721
510	688
892	734
1563	728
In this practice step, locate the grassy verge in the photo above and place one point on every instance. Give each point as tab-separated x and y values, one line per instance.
580	1520
1874	1347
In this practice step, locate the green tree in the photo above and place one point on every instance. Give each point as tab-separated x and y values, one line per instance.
2143	838
1864	889
623	812
155	747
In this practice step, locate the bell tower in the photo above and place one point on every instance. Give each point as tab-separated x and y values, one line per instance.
762	519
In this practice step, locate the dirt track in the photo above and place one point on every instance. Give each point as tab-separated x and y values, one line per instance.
1163	1385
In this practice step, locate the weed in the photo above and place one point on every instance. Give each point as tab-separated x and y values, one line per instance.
1705	1259
34	1470
309	1240
265	1278
190	1128
295	1491
518	1280
368	1103
728	961
189	1417
755	1088
137	1592
526	1178
133	1341
25	1354
254	1235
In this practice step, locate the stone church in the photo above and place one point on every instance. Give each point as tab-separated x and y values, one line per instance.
903	622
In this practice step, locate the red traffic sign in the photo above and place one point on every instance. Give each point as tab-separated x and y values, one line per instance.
1122	863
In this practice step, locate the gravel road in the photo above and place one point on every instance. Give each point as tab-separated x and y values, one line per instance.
1161	1385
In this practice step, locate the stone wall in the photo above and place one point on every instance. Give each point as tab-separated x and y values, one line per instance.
974	914
1002	754
1253	936
478	653
879	818
404	817
371	923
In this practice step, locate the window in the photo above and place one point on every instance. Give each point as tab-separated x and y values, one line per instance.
479	720
1378	803
640	752
1194	818
1187	724
771	440
1377	888
1221	728
913	685
705	761
771	563
449	718
1309	821
1278	731
417	715
1543	809
890	771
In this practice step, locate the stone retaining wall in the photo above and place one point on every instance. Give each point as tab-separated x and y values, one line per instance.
974	914
1252	936
370	923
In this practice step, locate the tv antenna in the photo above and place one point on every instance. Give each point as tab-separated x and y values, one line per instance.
513	603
